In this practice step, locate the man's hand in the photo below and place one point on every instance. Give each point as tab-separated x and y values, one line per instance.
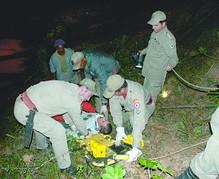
73	128
120	135
133	154
169	67
104	111
89	134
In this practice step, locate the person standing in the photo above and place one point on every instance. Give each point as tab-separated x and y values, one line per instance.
129	98
205	165
98	66
39	103
60	63
160	54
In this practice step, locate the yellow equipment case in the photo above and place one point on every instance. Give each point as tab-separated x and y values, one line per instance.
101	150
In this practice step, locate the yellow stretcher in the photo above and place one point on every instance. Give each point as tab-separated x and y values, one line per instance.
101	150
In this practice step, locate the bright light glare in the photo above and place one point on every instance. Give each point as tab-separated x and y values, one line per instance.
164	94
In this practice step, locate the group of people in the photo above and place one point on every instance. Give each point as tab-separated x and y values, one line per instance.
77	76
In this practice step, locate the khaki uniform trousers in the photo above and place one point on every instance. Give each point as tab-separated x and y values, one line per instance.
44	126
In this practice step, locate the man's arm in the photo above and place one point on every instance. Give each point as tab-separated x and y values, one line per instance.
171	51
75	118
116	111
52	68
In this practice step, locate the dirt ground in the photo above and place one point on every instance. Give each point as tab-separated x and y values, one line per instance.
167	139
164	144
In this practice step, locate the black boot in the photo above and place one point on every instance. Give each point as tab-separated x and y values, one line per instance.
69	171
187	174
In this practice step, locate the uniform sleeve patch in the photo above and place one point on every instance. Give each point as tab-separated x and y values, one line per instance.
136	103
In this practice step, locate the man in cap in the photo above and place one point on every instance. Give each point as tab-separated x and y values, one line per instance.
205	165
129	97
98	66
51	98
161	55
60	63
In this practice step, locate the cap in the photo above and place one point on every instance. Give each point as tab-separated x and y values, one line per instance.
90	84
113	83
59	42
76	59
157	17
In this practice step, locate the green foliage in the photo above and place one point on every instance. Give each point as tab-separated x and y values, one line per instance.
192	53
216	34
54	33
197	130
70	138
202	51
156	177
122	42
80	167
125	46
189	128
185	128
114	173
42	72
154	165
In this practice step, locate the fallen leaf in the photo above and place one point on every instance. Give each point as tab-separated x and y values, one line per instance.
27	158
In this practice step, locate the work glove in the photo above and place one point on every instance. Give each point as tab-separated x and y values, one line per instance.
104	111
120	135
133	154
73	128
89	134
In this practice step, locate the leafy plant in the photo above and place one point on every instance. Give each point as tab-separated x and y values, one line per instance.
114	173
202	51
154	165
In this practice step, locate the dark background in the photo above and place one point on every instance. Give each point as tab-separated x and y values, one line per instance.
29	20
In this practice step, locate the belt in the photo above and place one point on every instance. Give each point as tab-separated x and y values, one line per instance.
25	98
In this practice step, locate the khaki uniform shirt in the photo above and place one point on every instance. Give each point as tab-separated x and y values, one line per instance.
59	97
160	52
136	102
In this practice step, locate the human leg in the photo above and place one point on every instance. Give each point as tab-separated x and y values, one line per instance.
153	89
56	133
41	140
50	128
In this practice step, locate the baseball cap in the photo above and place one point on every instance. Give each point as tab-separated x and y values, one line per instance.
76	59
113	83
157	17
90	84
59	42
